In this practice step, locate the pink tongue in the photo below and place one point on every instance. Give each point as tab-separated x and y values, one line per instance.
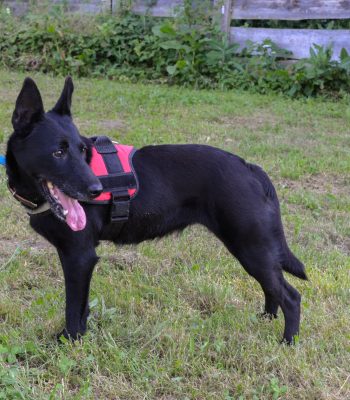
76	218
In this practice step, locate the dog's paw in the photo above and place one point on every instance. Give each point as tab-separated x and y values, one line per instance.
293	341
267	316
287	342
64	336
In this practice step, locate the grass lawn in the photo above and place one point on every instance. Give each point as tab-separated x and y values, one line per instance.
176	318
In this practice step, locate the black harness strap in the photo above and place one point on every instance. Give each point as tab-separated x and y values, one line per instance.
118	182
125	179
106	148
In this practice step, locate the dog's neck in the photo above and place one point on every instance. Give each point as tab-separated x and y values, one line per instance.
19	181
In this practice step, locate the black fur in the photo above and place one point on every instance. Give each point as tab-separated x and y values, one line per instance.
179	185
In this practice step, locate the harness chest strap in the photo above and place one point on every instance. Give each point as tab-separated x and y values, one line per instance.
117	182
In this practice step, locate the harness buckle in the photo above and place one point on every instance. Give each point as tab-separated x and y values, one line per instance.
120	207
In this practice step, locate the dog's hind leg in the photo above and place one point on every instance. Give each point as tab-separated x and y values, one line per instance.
262	263
77	267
271	306
291	309
276	289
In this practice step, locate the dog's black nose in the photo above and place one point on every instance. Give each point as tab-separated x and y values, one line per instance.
95	190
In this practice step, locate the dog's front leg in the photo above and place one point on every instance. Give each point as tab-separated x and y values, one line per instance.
77	268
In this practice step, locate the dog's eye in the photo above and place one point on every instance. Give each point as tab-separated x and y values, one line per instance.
58	153
83	149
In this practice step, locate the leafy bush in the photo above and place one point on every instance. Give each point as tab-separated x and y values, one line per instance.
189	51
319	73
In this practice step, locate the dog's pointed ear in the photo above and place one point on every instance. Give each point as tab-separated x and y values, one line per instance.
64	103
29	107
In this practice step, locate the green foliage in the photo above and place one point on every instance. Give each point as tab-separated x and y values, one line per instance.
319	73
277	390
11	387
189	50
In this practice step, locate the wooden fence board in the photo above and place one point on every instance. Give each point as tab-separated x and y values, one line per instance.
226	17
263	9
163	8
291	9
298	41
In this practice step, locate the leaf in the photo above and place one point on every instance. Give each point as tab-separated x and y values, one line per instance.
171	44
51	29
181	64
171	69
168	29
312	52
3	349
65	364
164	30
93	303
213	56
344	54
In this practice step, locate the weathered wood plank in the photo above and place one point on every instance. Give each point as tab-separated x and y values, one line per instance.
298	41
291	9
22	7
226	17
163	8
263	9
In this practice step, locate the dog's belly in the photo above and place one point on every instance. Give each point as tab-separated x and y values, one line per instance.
141	227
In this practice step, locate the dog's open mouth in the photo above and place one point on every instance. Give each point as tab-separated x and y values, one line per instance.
64	207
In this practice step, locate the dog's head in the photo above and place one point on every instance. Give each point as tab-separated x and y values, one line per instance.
49	149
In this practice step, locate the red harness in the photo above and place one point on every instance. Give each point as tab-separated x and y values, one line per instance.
98	166
112	164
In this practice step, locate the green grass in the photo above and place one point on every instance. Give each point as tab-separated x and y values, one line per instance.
176	318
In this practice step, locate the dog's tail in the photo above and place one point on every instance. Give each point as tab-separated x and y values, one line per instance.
292	265
290	262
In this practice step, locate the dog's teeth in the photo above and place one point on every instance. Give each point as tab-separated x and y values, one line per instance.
65	212
49	185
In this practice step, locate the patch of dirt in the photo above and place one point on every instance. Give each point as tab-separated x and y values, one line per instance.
320	183
340	242
252	122
322	235
105	125
123	258
112	124
9	246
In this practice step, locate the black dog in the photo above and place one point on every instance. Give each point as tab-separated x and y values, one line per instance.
179	185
